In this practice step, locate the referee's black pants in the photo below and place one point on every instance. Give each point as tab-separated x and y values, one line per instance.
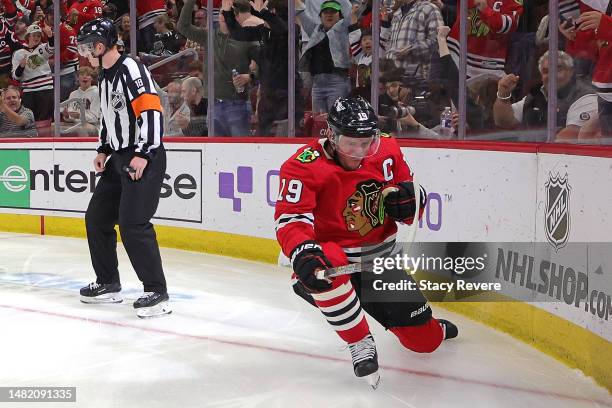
131	204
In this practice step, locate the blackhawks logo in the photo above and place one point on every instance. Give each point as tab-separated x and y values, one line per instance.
308	155
557	211
364	210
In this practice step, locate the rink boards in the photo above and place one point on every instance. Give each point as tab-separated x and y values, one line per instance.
219	197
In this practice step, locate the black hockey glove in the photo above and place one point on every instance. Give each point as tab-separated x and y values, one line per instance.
400	203
306	258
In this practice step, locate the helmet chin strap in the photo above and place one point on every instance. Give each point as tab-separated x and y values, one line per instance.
102	55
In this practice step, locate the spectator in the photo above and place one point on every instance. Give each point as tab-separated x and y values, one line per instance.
165	41
20	29
194	123
27	9
242	9
361	50
173	104
231	107
69	57
592	40
31	68
395	116
481	89
326	54
80	12
199	18
577	102
88	95
148	11
9	43
15	119
272	60
109	10
196	69
490	23
413	36
124	32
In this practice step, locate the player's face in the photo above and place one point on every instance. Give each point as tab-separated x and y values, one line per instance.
352	150
92	52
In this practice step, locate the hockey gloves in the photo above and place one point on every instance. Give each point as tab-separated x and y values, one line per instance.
400	203
306	258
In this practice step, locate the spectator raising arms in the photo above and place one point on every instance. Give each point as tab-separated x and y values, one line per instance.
273	59
326	54
31	68
231	109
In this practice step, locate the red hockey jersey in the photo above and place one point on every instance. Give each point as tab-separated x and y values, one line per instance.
596	46
148	11
69	56
488	35
319	200
87	11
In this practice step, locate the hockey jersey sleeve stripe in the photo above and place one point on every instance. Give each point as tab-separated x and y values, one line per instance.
146	102
286	219
150	131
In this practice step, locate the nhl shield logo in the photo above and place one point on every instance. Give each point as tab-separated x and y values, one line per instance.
557	218
117	101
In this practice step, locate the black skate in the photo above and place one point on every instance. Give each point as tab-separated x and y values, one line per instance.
101	293
365	360
152	304
449	330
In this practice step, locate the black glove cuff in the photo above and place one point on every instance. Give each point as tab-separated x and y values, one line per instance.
306	247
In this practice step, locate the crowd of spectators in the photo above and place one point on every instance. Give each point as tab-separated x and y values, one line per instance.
419	46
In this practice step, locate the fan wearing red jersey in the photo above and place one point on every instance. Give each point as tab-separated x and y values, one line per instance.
331	211
490	23
591	39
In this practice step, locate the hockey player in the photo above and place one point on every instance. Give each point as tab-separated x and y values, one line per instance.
131	128
331	210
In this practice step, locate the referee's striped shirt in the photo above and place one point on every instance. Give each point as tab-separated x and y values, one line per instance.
131	109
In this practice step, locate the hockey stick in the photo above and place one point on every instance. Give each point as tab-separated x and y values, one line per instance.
364	266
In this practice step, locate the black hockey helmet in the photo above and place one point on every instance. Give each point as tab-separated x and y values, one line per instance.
352	117
98	30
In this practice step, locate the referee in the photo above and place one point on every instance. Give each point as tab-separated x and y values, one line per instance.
131	128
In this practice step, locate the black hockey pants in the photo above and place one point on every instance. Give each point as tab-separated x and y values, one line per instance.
131	204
